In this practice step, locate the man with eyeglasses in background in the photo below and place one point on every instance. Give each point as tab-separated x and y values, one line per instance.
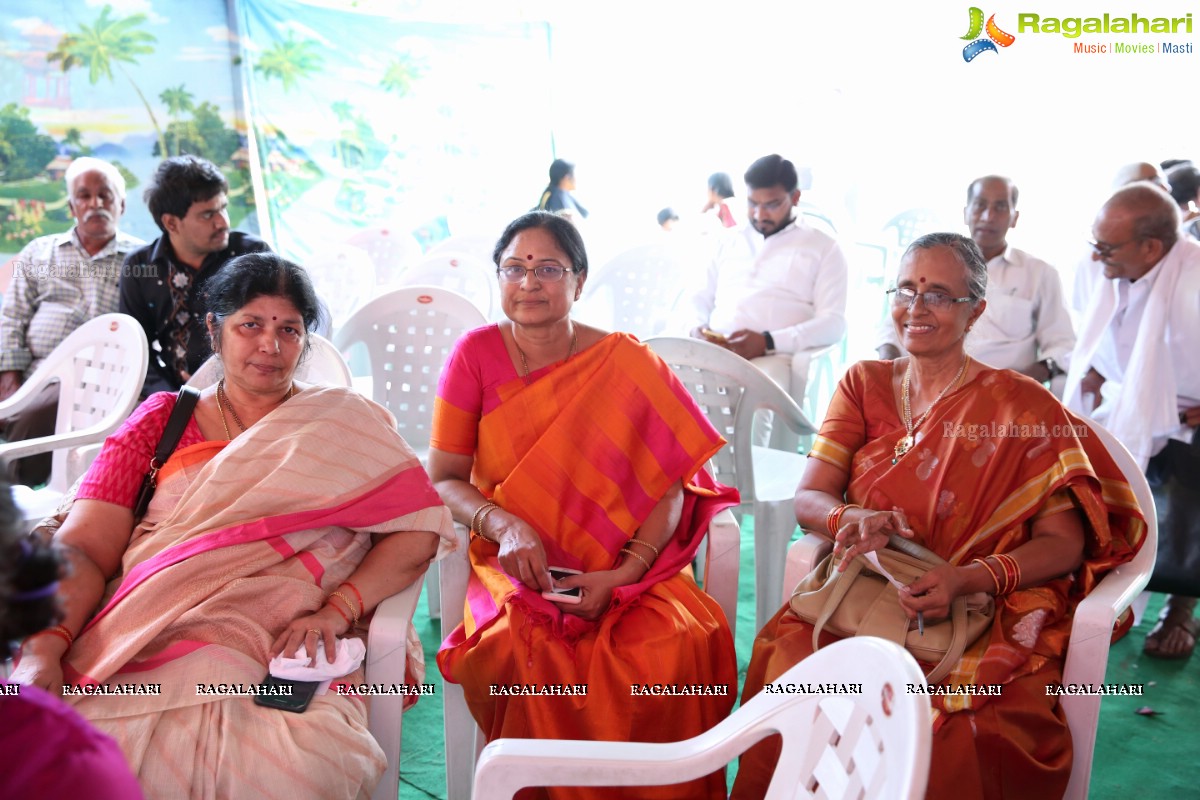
777	288
1135	371
1026	326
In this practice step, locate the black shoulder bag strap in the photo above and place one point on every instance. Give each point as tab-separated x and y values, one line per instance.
185	404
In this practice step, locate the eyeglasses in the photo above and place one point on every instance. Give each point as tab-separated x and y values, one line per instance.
932	300
771	206
547	272
1106	250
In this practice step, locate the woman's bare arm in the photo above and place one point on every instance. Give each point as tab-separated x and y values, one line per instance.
91	541
521	553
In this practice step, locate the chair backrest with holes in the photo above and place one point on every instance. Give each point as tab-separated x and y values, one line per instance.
101	367
408	334
871	743
729	389
344	277
637	290
459	272
391	251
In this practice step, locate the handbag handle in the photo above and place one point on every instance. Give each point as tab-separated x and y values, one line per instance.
958	607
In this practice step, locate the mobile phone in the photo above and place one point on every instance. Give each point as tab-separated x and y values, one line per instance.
570	596
715	336
297	701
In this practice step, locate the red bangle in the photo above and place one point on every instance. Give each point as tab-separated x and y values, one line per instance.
362	607
59	631
833	520
343	613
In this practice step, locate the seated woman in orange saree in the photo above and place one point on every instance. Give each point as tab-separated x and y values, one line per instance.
583	450
241	538
994	456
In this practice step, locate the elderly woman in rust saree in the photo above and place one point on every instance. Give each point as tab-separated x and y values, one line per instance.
985	468
563	446
284	516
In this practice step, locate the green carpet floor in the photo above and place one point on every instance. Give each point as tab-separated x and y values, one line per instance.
1147	757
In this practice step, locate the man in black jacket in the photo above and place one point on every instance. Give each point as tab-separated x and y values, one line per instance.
188	202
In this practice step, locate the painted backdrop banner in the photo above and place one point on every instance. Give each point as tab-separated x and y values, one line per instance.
124	80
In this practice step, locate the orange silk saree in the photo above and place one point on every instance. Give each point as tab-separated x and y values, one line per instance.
992	457
583	451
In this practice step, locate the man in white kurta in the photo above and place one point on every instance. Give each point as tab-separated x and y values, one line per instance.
1135	367
777	290
1026	326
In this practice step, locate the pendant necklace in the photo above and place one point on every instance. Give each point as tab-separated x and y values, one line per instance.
909	439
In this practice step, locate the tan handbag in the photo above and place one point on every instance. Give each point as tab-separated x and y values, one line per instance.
861	602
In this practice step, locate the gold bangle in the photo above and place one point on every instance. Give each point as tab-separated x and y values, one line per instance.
482	519
478	511
349	605
629	552
644	544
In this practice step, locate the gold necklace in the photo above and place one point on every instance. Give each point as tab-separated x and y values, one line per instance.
221	407
909	439
525	362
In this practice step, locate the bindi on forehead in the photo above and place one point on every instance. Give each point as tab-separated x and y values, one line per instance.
922	280
529	257
274	318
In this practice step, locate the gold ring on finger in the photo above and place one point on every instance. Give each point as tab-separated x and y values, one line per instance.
314	630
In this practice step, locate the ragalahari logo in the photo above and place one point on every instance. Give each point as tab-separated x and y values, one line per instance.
995	36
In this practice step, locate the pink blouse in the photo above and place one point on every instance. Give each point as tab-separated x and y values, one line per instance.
116	474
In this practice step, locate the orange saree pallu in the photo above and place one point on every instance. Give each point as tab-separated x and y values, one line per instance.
240	539
994	455
583	452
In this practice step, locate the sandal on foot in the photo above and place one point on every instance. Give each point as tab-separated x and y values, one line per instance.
1176	618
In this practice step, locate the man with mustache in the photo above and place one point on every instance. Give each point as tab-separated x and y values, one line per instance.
161	286
1026	327
59	282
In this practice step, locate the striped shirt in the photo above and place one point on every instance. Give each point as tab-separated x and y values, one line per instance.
56	287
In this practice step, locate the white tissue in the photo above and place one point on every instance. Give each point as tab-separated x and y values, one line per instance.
348	656
874	559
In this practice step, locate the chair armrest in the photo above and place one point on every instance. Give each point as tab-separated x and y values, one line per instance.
387	661
45	444
25	393
802	556
387	638
724	563
1091	630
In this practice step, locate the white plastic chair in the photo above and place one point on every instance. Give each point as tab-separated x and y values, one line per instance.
408	334
459	272
730	389
387	637
636	292
391	250
872	745
100	368
1091	630
323	365
344	276
478	245
464	739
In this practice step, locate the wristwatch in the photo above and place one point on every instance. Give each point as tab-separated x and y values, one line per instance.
770	342
1053	366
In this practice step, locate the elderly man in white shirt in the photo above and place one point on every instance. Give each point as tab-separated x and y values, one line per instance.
1026	326
1135	371
778	288
59	282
